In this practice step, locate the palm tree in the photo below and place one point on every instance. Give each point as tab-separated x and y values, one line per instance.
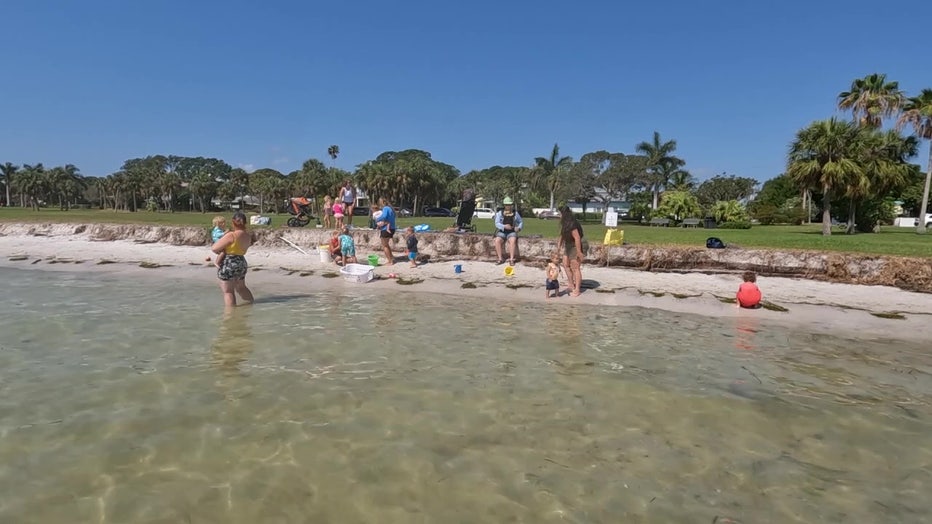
871	99
917	113
660	162
8	170
334	152
825	155
31	182
549	170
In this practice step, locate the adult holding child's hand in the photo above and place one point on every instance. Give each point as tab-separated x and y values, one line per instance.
574	247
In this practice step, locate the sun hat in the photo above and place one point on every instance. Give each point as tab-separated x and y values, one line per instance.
508	201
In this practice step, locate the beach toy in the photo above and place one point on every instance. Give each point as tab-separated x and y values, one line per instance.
373	260
421	228
509	271
324	252
457	268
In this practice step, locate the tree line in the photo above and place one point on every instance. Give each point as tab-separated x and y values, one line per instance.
856	162
410	178
860	164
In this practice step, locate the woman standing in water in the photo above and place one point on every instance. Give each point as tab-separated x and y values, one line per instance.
232	271
574	247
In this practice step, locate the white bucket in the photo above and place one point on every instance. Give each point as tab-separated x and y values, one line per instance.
324	252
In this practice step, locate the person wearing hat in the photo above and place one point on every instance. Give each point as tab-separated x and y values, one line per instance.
507	224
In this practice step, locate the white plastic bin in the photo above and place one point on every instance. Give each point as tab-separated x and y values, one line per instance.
357	273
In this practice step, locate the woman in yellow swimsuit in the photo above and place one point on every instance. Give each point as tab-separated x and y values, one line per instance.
232	271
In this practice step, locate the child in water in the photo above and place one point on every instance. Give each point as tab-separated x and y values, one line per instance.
553	276
347	247
411	245
749	295
220	227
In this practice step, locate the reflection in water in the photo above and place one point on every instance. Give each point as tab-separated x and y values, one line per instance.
746	327
415	409
234	342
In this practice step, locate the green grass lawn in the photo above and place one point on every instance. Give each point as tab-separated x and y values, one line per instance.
890	241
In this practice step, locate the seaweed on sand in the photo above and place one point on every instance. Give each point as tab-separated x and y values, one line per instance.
151	265
657	294
408	281
469	285
330	274
893	315
770	306
17	258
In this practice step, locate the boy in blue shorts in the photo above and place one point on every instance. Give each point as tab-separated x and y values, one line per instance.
411	245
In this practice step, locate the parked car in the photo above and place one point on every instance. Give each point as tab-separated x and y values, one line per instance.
438	212
484	212
548	214
403	212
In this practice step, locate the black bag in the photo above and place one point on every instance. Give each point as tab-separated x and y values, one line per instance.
714	243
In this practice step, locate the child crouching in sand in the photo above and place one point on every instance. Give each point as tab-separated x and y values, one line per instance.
553	276
749	295
347	247
220	229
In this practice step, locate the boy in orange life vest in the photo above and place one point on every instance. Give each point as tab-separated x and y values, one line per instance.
749	295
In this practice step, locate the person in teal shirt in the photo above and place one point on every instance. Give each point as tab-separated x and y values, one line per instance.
386	225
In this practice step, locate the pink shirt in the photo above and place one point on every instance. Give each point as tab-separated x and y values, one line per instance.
337	208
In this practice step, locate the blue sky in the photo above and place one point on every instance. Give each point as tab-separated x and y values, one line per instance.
479	83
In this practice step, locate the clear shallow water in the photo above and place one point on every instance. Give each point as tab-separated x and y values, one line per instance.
126	401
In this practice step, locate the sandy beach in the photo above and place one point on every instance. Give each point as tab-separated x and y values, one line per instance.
845	309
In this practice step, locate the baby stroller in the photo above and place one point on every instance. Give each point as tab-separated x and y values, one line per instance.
300	208
467	208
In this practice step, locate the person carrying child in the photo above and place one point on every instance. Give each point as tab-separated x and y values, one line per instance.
553	275
411	245
749	295
220	227
347	247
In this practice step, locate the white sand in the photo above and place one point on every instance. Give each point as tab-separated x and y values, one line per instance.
818	306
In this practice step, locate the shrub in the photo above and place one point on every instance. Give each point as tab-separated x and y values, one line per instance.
735	224
728	211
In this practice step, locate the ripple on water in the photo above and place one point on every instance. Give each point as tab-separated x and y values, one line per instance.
127	401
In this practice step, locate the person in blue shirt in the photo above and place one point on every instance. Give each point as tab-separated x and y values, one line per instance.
507	224
386	225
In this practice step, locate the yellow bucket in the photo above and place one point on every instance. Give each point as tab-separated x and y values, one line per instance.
509	271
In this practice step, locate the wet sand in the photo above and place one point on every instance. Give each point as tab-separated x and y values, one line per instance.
867	311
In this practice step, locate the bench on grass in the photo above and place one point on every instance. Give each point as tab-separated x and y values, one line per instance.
659	222
690	222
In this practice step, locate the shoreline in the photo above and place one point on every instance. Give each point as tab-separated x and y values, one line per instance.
848	310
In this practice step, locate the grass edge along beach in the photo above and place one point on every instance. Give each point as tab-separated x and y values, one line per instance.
889	240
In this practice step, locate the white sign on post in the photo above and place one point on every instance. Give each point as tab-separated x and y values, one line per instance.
611	217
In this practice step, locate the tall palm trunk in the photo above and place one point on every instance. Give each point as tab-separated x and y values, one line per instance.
656	194
826	210
852	211
551	200
921	222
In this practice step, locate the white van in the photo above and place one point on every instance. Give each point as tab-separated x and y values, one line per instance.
484	212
